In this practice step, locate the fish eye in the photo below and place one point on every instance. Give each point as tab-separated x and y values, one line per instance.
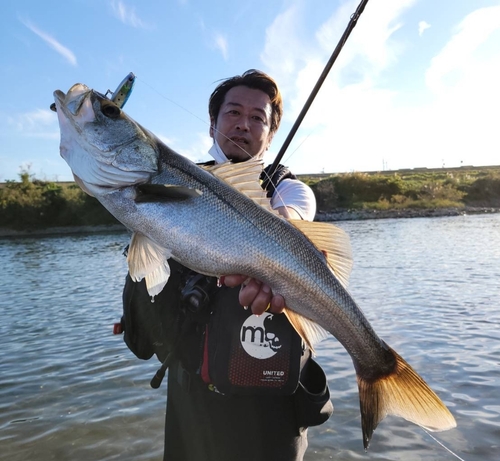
110	110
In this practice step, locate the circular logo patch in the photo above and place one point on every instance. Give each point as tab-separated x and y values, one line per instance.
258	336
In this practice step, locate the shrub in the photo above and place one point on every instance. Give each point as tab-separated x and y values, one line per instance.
32	204
484	191
353	189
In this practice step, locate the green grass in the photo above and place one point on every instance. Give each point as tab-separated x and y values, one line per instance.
33	204
441	189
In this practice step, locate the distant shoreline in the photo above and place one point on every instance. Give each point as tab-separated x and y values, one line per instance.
331	216
358	215
68	230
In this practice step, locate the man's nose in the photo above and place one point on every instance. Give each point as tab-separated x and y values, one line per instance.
243	124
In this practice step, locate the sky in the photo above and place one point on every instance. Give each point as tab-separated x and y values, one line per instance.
416	84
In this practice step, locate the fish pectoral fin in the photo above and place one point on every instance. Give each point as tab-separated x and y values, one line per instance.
309	331
244	177
333	242
146	259
147	193
402	393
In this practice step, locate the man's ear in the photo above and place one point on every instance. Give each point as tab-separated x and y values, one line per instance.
269	140
212	128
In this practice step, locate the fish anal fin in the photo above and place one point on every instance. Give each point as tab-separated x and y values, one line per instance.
244	177
164	193
146	259
402	393
309	331
333	242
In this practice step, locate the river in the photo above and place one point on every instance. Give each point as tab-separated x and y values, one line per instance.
71	390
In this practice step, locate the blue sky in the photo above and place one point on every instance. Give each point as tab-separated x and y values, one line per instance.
415	86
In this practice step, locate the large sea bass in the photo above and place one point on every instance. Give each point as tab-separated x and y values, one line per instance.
216	222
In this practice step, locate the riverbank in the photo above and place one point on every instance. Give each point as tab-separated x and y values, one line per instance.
333	216
59	208
354	215
67	230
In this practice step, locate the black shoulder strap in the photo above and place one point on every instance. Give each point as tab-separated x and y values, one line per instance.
270	184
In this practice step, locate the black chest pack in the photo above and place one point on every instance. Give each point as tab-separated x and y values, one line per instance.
248	354
240	353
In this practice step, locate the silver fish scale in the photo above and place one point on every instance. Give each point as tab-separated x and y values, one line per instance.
224	232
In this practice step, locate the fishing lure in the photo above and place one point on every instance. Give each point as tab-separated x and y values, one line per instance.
120	95
123	91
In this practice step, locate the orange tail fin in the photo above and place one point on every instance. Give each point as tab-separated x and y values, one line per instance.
403	393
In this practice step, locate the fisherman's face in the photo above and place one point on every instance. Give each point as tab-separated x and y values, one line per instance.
243	126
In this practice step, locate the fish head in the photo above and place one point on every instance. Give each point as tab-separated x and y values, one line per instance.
105	149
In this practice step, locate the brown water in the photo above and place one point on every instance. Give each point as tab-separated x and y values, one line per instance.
70	390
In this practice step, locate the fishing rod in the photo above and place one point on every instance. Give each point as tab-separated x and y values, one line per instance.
322	78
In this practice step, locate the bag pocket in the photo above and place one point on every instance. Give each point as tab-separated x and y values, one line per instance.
312	398
149	327
248	354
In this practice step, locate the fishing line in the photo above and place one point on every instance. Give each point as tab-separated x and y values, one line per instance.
207	123
192	114
298	147
204	121
443	445
171	101
215	129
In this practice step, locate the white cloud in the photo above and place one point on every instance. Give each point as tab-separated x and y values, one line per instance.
348	104
127	14
372	38
422	26
66	53
283	49
297	65
164	139
40	123
198	151
458	55
463	78
220	43
357	123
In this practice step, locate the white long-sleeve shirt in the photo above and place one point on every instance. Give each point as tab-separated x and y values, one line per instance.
290	193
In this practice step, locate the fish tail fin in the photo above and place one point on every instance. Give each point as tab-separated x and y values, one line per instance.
402	393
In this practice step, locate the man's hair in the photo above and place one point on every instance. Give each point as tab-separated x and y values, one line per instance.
256	80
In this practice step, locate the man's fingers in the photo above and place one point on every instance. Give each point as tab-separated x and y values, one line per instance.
277	305
255	294
233	280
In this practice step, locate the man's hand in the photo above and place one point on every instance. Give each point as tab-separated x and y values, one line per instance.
255	294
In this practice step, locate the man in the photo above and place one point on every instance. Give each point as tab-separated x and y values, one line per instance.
215	409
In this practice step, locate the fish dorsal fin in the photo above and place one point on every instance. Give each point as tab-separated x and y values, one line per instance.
309	331
333	242
244	177
146	259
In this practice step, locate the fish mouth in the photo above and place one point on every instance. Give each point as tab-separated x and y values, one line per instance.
73	100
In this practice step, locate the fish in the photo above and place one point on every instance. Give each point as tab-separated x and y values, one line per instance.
217	221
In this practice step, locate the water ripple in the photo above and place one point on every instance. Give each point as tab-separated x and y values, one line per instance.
70	390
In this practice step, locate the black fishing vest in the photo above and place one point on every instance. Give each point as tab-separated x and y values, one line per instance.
213	338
